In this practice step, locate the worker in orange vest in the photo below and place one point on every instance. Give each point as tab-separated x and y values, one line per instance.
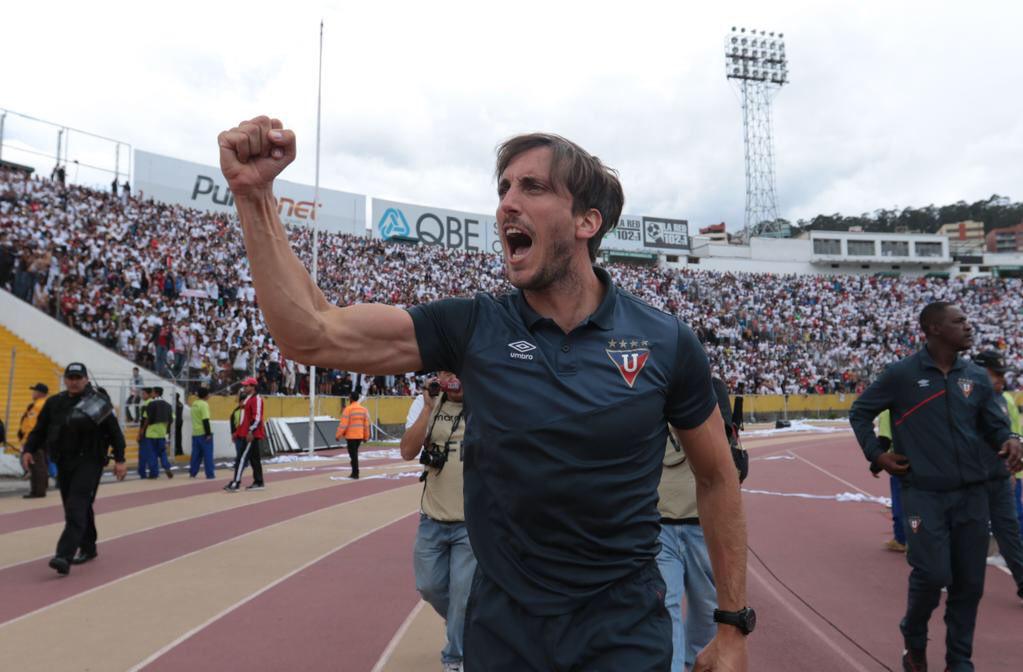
354	428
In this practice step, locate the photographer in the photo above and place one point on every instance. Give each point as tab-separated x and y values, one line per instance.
76	427
683	559
443	559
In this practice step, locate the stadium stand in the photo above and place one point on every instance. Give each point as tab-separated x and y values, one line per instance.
168	287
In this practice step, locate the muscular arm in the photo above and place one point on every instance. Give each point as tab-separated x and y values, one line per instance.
368	338
720	504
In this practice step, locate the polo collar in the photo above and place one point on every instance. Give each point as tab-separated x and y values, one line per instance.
602	318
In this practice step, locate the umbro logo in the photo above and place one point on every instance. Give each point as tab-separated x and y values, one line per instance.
521	350
923	382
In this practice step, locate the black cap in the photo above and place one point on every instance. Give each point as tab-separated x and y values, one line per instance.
991	359
76	369
40	387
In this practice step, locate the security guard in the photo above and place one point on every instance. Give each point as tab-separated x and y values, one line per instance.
39	473
353	427
1004	523
76	427
946	417
443	558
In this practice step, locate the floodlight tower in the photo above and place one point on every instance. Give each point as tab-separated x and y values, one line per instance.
756	61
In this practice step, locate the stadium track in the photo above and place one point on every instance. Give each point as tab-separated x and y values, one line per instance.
316	574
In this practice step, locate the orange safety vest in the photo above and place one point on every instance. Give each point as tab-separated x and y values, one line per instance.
354	422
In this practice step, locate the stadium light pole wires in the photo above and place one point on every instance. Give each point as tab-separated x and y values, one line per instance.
315	239
756	61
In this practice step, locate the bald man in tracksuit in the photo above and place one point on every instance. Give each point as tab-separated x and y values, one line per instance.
946	420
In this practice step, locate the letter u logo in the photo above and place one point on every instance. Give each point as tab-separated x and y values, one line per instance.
630	366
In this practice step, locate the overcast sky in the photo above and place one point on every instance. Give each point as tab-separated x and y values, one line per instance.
890	103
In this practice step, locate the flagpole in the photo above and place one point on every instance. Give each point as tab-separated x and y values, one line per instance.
316	205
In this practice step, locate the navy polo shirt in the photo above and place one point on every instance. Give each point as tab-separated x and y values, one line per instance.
565	435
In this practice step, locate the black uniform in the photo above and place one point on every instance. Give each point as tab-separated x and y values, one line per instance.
948	427
68	428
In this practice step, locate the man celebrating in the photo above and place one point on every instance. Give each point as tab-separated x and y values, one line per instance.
570	385
76	427
946	417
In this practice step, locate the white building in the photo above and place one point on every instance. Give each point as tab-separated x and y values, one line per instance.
825	252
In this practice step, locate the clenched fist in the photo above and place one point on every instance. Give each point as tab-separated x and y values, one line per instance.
253	153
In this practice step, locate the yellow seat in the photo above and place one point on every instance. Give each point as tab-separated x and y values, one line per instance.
31	367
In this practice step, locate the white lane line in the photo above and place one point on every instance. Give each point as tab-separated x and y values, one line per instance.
262	590
186	555
803	459
180	520
398	636
837	478
831	644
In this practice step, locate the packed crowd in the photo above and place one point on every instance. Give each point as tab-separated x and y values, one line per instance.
169	288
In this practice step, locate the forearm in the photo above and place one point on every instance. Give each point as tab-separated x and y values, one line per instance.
292	304
412	440
719	501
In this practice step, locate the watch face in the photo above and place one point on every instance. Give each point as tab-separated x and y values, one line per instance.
751	620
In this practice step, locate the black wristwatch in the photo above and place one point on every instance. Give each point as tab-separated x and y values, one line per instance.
745	620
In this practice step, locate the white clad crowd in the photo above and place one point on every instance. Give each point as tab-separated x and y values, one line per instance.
169	287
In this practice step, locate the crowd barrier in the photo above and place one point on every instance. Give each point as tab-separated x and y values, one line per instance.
389	413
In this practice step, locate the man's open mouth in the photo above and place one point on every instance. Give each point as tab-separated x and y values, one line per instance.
519	243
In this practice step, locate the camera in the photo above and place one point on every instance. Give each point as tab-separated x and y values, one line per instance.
433	388
434	456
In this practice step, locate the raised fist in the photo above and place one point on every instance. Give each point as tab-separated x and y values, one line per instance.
253	153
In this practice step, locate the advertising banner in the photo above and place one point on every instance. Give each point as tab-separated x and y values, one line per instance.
640	233
453	229
203	187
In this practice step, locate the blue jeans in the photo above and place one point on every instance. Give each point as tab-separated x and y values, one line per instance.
202	454
157	457
145	457
161	360
685	567
444	565
898	532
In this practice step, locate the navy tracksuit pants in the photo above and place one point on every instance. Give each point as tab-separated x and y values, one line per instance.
947	548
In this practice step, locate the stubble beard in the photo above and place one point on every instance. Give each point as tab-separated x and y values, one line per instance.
555	269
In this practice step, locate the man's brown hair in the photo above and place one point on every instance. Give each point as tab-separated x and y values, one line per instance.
584	176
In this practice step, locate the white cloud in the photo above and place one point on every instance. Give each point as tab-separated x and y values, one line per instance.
890	103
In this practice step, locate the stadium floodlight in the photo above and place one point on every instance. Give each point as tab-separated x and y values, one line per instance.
756	61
